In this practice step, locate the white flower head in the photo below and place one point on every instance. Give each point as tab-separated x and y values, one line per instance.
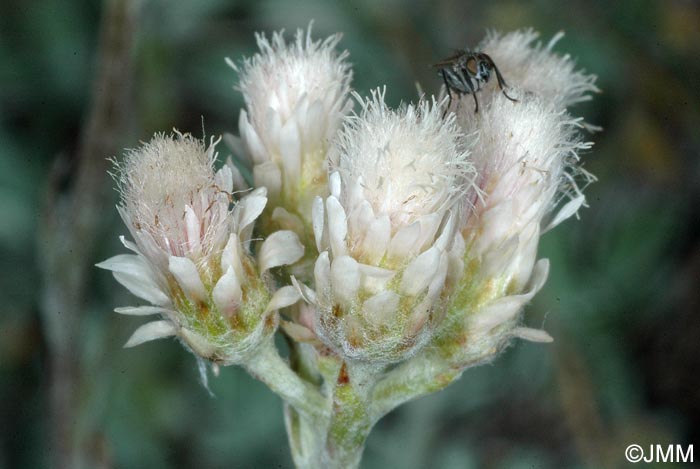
529	69
405	164
386	233
534	68
191	259
161	179
296	95
527	155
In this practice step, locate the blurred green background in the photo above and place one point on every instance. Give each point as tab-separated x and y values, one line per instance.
622	300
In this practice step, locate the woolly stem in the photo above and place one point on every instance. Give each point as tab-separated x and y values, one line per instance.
267	366
351	420
428	372
422	375
338	439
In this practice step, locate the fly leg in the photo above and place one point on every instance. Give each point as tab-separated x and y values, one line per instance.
502	83
467	81
447	87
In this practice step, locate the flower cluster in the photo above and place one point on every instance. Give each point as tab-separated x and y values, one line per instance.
395	247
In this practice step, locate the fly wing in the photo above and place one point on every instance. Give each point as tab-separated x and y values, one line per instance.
450	60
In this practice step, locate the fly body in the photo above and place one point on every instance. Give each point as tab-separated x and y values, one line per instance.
466	72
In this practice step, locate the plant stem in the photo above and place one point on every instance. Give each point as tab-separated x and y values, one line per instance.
267	366
349	427
336	437
424	374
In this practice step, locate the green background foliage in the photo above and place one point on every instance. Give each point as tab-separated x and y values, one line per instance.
622	300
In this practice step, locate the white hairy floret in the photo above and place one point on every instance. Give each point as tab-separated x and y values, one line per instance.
172	198
283	74
527	156
406	164
296	95
387	233
534	68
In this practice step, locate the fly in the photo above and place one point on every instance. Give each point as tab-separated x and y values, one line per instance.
466	72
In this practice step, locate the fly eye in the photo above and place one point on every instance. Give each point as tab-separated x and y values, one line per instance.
472	66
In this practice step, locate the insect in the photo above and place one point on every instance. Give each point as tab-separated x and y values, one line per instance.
466	72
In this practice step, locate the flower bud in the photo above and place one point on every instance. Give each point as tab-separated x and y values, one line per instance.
192	260
387	232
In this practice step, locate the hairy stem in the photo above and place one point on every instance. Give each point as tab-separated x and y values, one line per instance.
338	439
267	366
424	374
349	427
